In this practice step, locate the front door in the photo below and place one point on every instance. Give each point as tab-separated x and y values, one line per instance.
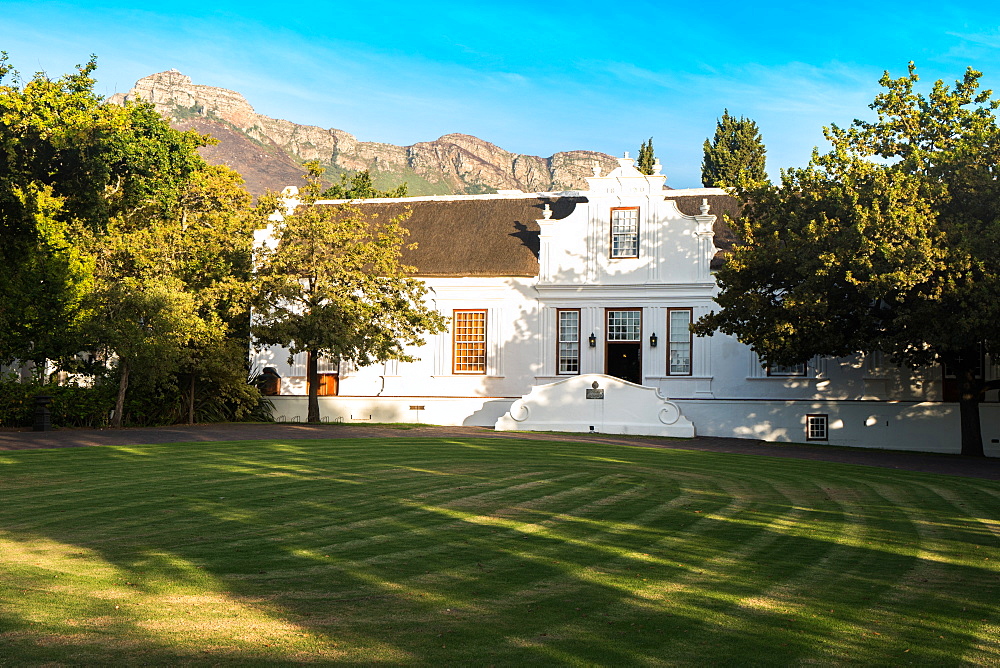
623	347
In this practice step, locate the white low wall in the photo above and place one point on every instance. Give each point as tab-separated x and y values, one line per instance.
450	411
920	426
598	403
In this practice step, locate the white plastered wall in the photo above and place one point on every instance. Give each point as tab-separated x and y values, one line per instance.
511	339
869	403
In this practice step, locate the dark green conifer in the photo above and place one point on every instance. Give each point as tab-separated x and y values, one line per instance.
735	151
646	159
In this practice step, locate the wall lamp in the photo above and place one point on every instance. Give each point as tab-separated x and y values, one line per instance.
653	340
593	340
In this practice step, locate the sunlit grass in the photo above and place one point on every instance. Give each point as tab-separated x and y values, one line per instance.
487	552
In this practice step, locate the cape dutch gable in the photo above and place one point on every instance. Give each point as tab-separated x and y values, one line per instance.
543	287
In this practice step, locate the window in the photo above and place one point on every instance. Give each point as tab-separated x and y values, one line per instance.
624	325
679	342
789	370
625	232
470	341
817	428
568	354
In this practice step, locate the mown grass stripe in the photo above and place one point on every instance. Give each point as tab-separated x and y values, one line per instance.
512	552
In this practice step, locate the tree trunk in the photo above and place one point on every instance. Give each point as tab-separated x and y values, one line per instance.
971	393
116	420
191	402
312	379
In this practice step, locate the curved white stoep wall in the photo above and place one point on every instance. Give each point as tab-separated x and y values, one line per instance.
596	403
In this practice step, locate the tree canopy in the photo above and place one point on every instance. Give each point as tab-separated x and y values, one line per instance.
116	238
70	164
360	186
332	285
888	242
735	152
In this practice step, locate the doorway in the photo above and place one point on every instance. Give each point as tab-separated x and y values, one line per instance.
623	348
623	361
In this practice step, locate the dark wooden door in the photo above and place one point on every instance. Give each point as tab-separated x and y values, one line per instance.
624	360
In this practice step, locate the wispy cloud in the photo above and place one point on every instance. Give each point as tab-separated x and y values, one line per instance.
989	39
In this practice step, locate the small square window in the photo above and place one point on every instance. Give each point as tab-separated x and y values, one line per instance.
817	428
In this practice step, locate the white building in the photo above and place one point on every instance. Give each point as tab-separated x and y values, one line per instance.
541	287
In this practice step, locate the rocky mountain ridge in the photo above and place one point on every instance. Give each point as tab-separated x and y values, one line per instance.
268	152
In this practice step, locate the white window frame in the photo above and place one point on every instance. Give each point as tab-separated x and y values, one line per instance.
817	427
675	341
618	335
624	232
567	343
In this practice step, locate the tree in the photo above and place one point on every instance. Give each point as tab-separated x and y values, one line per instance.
890	242
117	238
68	166
208	246
360	186
646	157
332	285
46	135
145	322
736	151
187	281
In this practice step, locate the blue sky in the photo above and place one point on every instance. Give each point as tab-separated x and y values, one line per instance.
532	78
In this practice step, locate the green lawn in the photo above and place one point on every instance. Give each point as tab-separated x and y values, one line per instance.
488	552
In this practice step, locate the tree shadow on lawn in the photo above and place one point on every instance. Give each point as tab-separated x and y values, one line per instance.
490	552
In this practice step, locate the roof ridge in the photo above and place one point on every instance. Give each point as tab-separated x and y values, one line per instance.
505	194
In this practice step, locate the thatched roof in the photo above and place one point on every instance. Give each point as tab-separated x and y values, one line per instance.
474	237
498	236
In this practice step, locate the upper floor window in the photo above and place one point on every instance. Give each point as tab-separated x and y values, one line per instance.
470	341
569	341
625	232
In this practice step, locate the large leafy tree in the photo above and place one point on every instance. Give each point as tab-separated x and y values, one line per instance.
211	249
735	152
117	238
69	165
46	132
332	285
171	290
889	242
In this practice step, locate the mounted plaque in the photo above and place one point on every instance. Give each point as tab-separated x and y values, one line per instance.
595	394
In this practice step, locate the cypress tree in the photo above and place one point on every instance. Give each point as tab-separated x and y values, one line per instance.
735	151
646	159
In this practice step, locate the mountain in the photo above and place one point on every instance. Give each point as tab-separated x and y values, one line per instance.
268	152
